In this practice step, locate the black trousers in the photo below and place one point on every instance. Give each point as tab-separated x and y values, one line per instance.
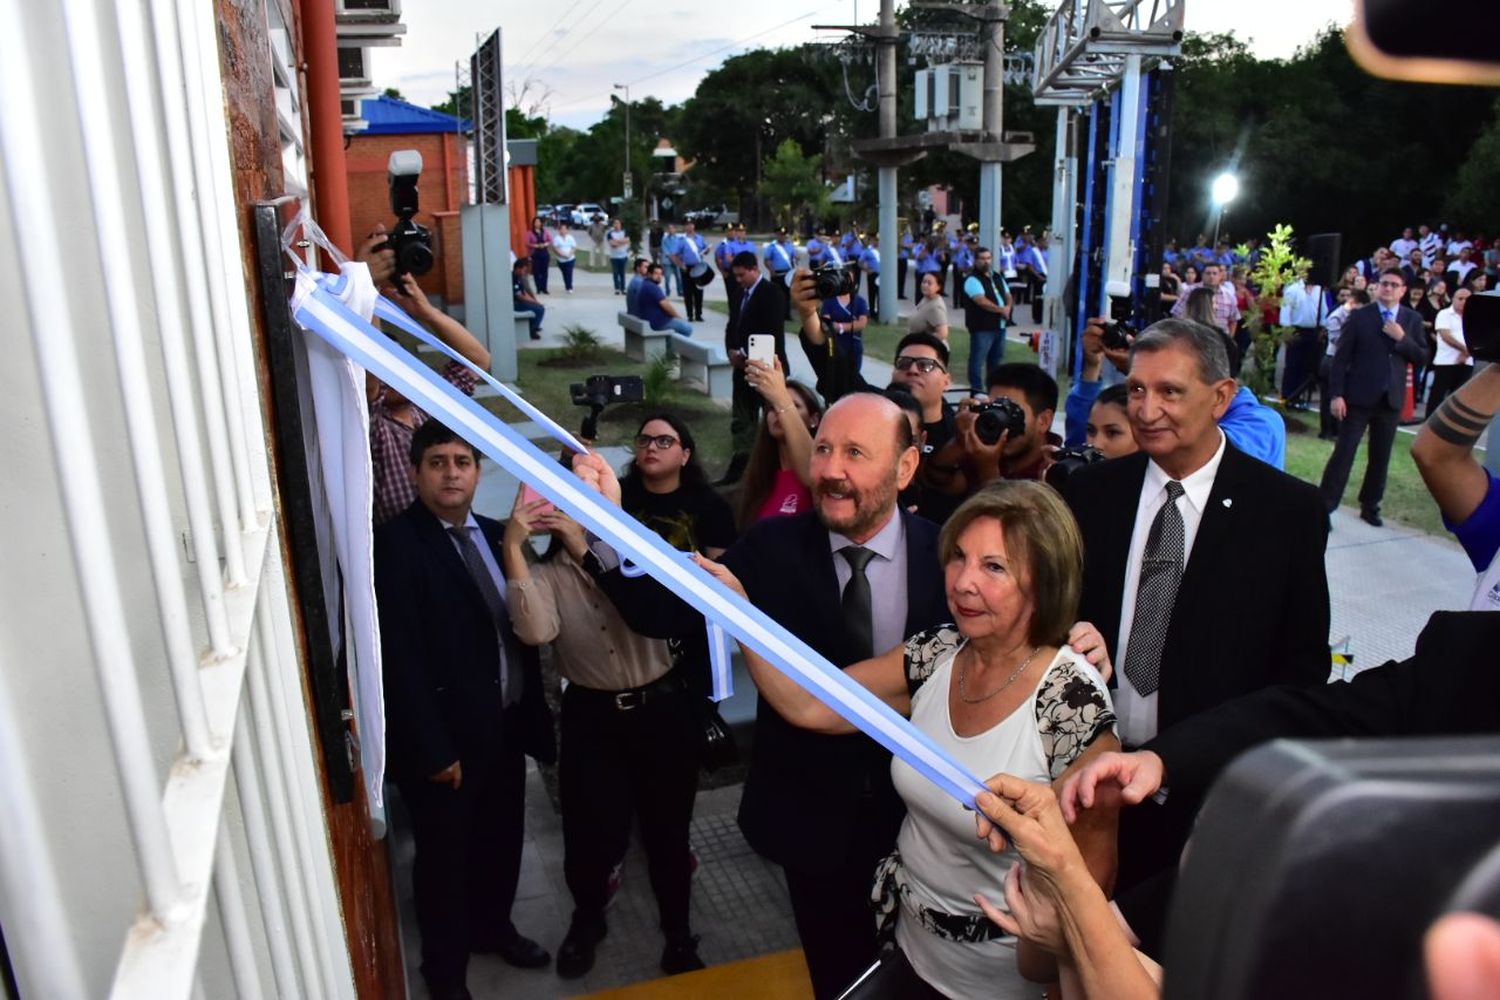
1038	285
1382	420
1446	379
836	924
901	278
468	860
622	765
1327	426
894	979
744	414
778	282
1301	369
872	285
692	298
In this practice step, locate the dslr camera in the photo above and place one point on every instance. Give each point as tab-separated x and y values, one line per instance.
832	280
994	417
1119	330
410	241
1070	460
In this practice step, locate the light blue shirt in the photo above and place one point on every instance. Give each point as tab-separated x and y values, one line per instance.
1302	305
690	249
780	257
671	245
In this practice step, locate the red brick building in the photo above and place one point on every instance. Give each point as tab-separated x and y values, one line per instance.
441	139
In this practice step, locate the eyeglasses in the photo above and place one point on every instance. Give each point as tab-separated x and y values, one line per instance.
663	442
1391	284
923	365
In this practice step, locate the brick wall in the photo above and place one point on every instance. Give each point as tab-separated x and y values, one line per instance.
444	187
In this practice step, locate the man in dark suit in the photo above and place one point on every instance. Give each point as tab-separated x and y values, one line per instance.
1203	567
1367	380
758	309
823	807
1413	697
463	705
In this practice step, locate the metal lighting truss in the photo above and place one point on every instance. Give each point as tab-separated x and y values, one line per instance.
1085	46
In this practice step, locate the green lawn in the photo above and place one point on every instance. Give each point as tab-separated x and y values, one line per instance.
545	381
1406	497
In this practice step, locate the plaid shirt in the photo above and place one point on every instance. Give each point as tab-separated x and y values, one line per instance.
1226	308
390	447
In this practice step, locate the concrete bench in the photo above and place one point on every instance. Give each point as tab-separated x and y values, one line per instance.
642	343
707	364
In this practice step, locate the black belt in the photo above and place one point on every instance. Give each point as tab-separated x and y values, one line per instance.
669	683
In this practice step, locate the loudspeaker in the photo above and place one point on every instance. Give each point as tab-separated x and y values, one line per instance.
1323	248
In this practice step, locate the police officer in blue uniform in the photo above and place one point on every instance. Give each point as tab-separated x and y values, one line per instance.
903	259
869	262
781	259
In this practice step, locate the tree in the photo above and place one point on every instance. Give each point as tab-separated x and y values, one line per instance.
793	183
1475	193
392	92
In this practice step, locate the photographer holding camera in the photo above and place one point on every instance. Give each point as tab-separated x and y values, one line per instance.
1006	436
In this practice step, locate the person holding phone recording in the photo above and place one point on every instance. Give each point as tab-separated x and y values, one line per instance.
758	309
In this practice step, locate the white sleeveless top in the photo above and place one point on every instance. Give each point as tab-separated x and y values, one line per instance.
944	861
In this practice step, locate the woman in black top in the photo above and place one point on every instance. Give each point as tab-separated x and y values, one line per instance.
666	489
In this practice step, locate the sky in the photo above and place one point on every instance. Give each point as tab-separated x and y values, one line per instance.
576	50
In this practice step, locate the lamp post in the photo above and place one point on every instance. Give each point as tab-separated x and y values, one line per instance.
1225	187
626	186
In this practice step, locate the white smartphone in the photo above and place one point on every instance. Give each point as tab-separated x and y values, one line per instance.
762	348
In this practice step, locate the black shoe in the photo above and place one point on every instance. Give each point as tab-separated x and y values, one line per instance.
1372	518
522	952
536	336
681	955
575	956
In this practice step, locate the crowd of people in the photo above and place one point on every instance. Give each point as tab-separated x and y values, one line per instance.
1062	634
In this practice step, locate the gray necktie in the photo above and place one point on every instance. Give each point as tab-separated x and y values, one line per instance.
856	602
511	679
1161	572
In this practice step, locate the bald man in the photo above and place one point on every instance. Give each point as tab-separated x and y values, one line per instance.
821	806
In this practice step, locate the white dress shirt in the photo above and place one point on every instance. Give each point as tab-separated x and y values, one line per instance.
1137	712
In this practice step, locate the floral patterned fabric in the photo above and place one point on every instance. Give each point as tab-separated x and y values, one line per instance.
1071	711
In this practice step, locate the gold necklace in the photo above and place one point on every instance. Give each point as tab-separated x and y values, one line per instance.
963	676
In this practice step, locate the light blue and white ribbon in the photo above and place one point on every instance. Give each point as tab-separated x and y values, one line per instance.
321	312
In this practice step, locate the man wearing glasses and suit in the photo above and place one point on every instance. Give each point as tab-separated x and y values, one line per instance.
1367	382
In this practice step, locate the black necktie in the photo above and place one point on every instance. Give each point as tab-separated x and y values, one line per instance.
510	674
1161	572
857	612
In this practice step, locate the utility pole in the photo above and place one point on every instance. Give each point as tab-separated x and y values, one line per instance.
626	191
890	239
992	32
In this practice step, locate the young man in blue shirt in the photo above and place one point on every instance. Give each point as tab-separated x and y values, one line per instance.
655	308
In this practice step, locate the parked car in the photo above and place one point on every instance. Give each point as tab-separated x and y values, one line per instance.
545	212
586	213
561	213
712	216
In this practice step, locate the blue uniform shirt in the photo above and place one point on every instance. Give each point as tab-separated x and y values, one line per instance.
869	259
690	249
817	252
904	253
779	257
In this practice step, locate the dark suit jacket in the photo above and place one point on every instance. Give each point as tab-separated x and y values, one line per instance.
1368	366
764	313
1446	688
814	802
441	654
1252	608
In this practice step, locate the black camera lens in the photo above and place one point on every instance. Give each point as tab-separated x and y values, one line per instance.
414	258
1069	461
832	280
999	417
